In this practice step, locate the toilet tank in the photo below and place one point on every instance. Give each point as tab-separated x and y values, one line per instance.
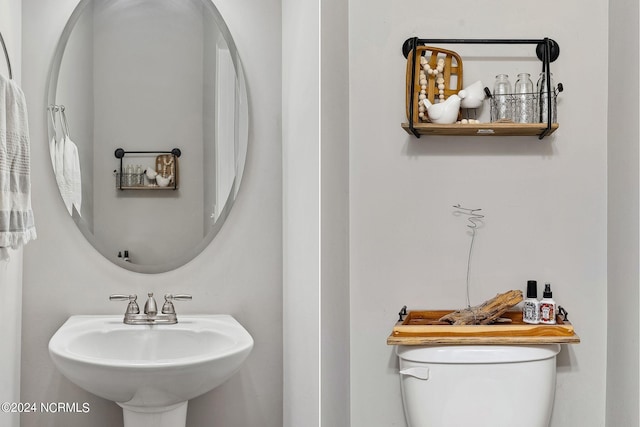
480	386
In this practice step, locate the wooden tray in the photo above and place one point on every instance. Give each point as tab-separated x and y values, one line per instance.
452	68
423	327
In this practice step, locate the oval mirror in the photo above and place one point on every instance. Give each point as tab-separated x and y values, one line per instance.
148	127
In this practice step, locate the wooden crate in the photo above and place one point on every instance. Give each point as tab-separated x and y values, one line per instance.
167	164
452	75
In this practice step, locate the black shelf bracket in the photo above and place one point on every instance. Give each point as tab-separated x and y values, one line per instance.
547	51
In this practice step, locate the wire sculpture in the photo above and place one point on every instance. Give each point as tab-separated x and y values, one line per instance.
475	219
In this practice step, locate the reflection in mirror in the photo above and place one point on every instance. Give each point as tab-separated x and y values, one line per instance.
147	76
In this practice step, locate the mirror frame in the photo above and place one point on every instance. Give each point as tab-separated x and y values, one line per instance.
189	255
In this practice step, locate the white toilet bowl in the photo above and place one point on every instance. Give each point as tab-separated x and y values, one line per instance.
480	386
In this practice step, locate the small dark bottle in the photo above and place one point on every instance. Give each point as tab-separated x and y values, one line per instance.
547	307
531	305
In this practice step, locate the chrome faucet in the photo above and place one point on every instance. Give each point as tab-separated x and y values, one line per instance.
150	307
150	316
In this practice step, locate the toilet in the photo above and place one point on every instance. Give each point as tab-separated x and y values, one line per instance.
476	385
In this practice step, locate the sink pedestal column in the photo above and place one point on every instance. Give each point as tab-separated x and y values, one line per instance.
167	416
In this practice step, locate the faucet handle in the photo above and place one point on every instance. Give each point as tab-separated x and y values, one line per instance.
167	307
178	297
132	308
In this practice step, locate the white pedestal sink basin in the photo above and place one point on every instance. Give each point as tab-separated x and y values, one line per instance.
151	371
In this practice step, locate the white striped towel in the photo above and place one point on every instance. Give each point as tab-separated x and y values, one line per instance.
16	217
67	171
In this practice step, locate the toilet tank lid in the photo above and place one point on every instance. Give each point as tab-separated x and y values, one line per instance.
470	354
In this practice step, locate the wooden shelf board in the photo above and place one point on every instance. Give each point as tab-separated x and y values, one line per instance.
422	328
147	187
482	129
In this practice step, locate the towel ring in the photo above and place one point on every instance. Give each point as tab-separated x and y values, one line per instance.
6	55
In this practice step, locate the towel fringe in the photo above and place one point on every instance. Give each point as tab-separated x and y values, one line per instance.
13	240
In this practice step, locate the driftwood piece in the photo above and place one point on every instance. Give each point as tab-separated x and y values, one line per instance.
485	313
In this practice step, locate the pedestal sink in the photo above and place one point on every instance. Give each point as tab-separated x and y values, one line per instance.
151	371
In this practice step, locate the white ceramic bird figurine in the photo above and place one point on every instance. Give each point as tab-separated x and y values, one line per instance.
151	173
162	181
444	112
472	96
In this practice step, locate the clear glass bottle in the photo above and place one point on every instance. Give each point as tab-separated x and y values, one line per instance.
128	176
139	178
542	104
502	99
524	99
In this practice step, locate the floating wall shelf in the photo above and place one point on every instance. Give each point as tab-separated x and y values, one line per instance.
547	50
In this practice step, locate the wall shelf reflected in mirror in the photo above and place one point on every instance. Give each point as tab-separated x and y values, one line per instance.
135	176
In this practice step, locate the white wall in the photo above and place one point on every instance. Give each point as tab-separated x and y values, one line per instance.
623	322
239	273
545	201
11	271
11	320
